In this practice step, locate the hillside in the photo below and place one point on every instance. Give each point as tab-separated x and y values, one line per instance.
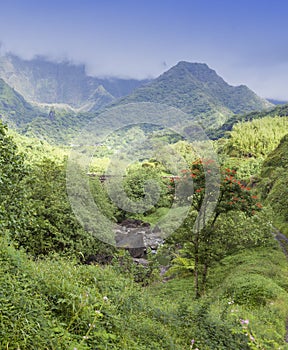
200	92
280	110
75	98
43	81
14	109
54	298
274	183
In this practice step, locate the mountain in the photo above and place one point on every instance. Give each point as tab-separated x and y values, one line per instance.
14	109
98	100
276	102
200	92
64	98
42	81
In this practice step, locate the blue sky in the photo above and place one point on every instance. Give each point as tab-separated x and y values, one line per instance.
243	40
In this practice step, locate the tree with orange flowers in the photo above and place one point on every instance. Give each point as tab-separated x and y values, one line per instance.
228	194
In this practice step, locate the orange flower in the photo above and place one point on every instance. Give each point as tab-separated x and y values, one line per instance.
199	190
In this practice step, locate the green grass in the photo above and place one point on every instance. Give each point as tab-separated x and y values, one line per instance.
56	303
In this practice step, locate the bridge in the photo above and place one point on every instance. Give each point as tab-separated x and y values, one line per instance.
104	177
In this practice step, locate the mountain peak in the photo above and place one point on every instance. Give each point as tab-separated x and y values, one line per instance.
187	64
200	71
200	92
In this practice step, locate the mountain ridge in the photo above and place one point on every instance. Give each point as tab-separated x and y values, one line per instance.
193	88
42	81
199	91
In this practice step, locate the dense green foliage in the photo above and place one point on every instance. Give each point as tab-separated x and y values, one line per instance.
247	145
57	304
273	183
12	176
256	138
201	231
13	107
281	111
51	300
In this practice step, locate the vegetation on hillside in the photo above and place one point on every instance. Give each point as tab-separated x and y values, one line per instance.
226	285
273	183
200	92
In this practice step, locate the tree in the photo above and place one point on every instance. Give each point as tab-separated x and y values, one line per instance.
144	190
12	193
233	196
52	225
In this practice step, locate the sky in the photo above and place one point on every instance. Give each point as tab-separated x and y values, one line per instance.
245	41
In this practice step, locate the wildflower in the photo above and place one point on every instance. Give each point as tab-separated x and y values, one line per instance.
199	190
231	302
252	338
244	321
105	298
192	343
85	337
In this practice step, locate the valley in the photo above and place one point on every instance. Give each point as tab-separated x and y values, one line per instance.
140	214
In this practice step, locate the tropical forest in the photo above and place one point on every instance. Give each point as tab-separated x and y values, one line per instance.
140	214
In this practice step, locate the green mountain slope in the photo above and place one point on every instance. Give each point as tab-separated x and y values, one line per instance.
14	109
280	110
192	87
200	92
274	183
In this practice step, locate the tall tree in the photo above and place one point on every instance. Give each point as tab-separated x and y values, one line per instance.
12	193
233	196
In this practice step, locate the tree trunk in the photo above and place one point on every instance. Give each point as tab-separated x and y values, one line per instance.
196	268
204	277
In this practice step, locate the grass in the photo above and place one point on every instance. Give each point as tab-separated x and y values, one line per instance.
57	304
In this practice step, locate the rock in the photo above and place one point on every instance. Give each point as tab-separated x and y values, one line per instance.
101	259
141	261
137	236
